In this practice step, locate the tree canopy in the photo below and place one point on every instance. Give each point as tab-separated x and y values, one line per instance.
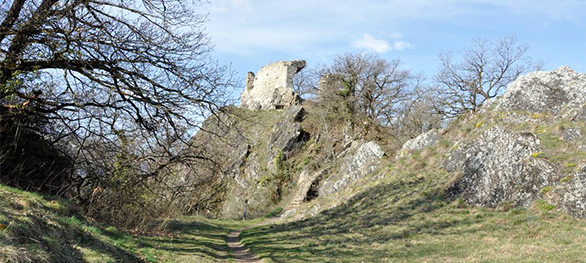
113	86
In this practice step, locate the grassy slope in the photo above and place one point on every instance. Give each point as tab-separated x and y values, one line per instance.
403	219
35	228
406	218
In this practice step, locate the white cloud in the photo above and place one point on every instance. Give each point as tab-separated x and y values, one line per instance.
368	42
402	45
396	35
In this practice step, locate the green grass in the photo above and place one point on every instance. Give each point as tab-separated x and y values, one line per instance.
47	229
406	219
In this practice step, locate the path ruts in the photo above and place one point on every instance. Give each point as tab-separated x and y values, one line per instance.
242	254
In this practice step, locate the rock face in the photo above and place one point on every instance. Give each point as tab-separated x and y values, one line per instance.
240	148
427	139
272	87
280	141
559	92
286	135
504	164
360	160
288	131
500	166
571	196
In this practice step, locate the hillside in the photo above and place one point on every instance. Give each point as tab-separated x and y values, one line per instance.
502	184
36	228
506	179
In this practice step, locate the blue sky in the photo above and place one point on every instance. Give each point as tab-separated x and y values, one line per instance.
252	33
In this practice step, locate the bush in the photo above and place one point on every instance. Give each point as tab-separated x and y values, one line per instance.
27	160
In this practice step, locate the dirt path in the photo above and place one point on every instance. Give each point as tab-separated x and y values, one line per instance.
240	253
244	255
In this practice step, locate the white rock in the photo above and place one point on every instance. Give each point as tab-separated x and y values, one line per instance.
424	140
560	91
361	160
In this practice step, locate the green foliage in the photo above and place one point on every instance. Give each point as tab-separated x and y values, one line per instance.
346	91
544	205
275	212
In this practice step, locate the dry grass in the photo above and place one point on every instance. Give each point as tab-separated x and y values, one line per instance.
46	229
405	216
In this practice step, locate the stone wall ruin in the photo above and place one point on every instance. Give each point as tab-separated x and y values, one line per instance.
272	86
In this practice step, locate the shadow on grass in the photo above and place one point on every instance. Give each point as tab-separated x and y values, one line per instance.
192	238
350	230
58	240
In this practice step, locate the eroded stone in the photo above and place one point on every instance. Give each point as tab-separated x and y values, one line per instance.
272	86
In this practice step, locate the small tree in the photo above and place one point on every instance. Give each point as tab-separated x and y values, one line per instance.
484	72
368	85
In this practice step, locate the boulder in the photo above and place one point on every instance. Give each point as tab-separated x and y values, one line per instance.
362	159
559	92
499	166
571	195
272	86
421	142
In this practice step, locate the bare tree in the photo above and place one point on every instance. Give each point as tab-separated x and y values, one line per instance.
484	72
305	83
115	81
369	85
416	116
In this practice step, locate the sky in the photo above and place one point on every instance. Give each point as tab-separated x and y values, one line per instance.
249	34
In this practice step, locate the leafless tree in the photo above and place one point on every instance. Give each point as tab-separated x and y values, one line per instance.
115	81
416	116
369	85
305	83
484	72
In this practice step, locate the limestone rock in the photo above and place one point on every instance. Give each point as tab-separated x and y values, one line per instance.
500	166
287	131
361	160
286	134
559	92
571	195
272	87
571	135
421	142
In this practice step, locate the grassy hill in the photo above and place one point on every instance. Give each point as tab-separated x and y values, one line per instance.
37	228
406	217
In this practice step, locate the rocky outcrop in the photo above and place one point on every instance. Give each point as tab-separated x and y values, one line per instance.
559	92
571	194
239	149
286	135
358	161
288	131
506	165
272	86
499	166
421	142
